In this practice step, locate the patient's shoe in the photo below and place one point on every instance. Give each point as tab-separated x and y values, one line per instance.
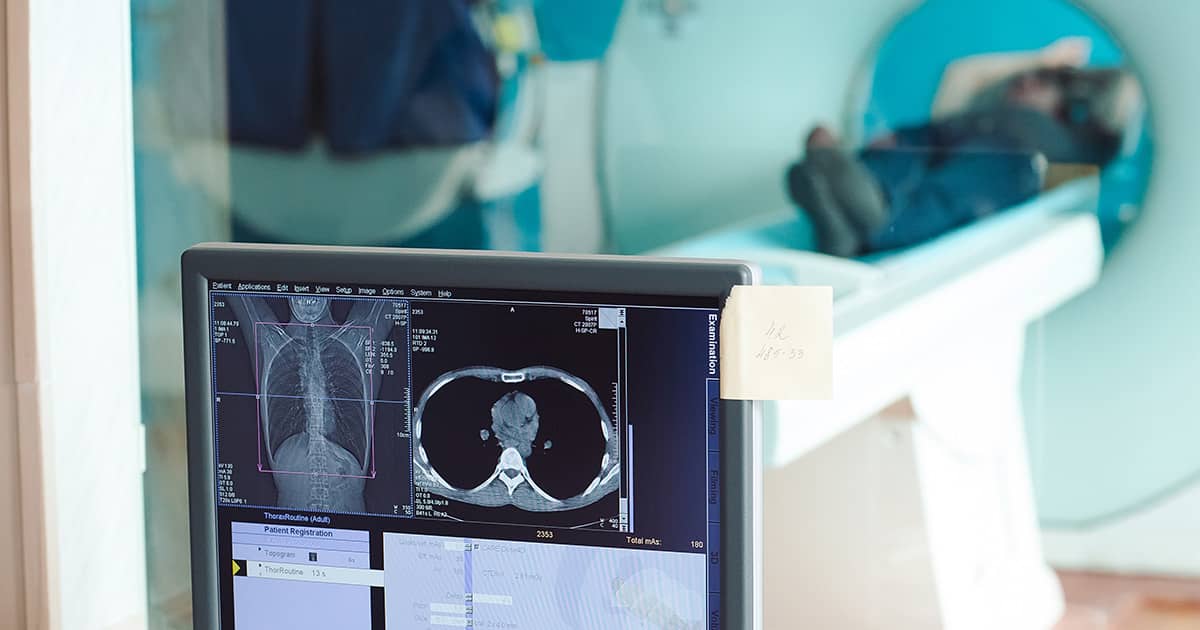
855	188
810	190
820	138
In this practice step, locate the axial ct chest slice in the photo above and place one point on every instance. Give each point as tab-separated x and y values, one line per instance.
537	438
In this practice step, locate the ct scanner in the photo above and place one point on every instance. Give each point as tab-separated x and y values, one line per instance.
1015	350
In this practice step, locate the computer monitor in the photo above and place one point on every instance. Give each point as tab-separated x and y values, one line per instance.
427	439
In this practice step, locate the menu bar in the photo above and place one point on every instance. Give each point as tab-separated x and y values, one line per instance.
329	289
367	291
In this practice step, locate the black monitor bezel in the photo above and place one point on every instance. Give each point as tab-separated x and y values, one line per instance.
460	269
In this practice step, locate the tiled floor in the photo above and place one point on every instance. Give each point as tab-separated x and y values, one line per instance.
1110	602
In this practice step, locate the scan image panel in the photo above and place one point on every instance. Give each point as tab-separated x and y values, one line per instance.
537	438
327	379
516	418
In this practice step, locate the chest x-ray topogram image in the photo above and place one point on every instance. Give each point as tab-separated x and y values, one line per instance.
536	438
315	407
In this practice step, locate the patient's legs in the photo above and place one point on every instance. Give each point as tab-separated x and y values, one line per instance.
930	194
904	189
841	198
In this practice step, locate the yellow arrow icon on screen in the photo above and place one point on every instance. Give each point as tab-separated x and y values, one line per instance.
236	567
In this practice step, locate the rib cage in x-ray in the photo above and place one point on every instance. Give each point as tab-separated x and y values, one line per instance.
511	483
314	407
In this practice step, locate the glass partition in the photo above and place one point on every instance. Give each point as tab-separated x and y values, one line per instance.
965	173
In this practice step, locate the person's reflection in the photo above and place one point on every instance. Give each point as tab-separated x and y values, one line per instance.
347	88
996	120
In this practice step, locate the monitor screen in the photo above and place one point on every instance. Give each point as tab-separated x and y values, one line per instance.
411	457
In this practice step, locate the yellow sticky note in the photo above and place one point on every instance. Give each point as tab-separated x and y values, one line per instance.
509	34
777	343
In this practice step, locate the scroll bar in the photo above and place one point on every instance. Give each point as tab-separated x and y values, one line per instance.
629	471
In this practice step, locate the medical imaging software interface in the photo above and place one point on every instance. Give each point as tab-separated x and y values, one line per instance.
408	457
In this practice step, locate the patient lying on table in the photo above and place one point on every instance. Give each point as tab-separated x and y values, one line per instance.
997	120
